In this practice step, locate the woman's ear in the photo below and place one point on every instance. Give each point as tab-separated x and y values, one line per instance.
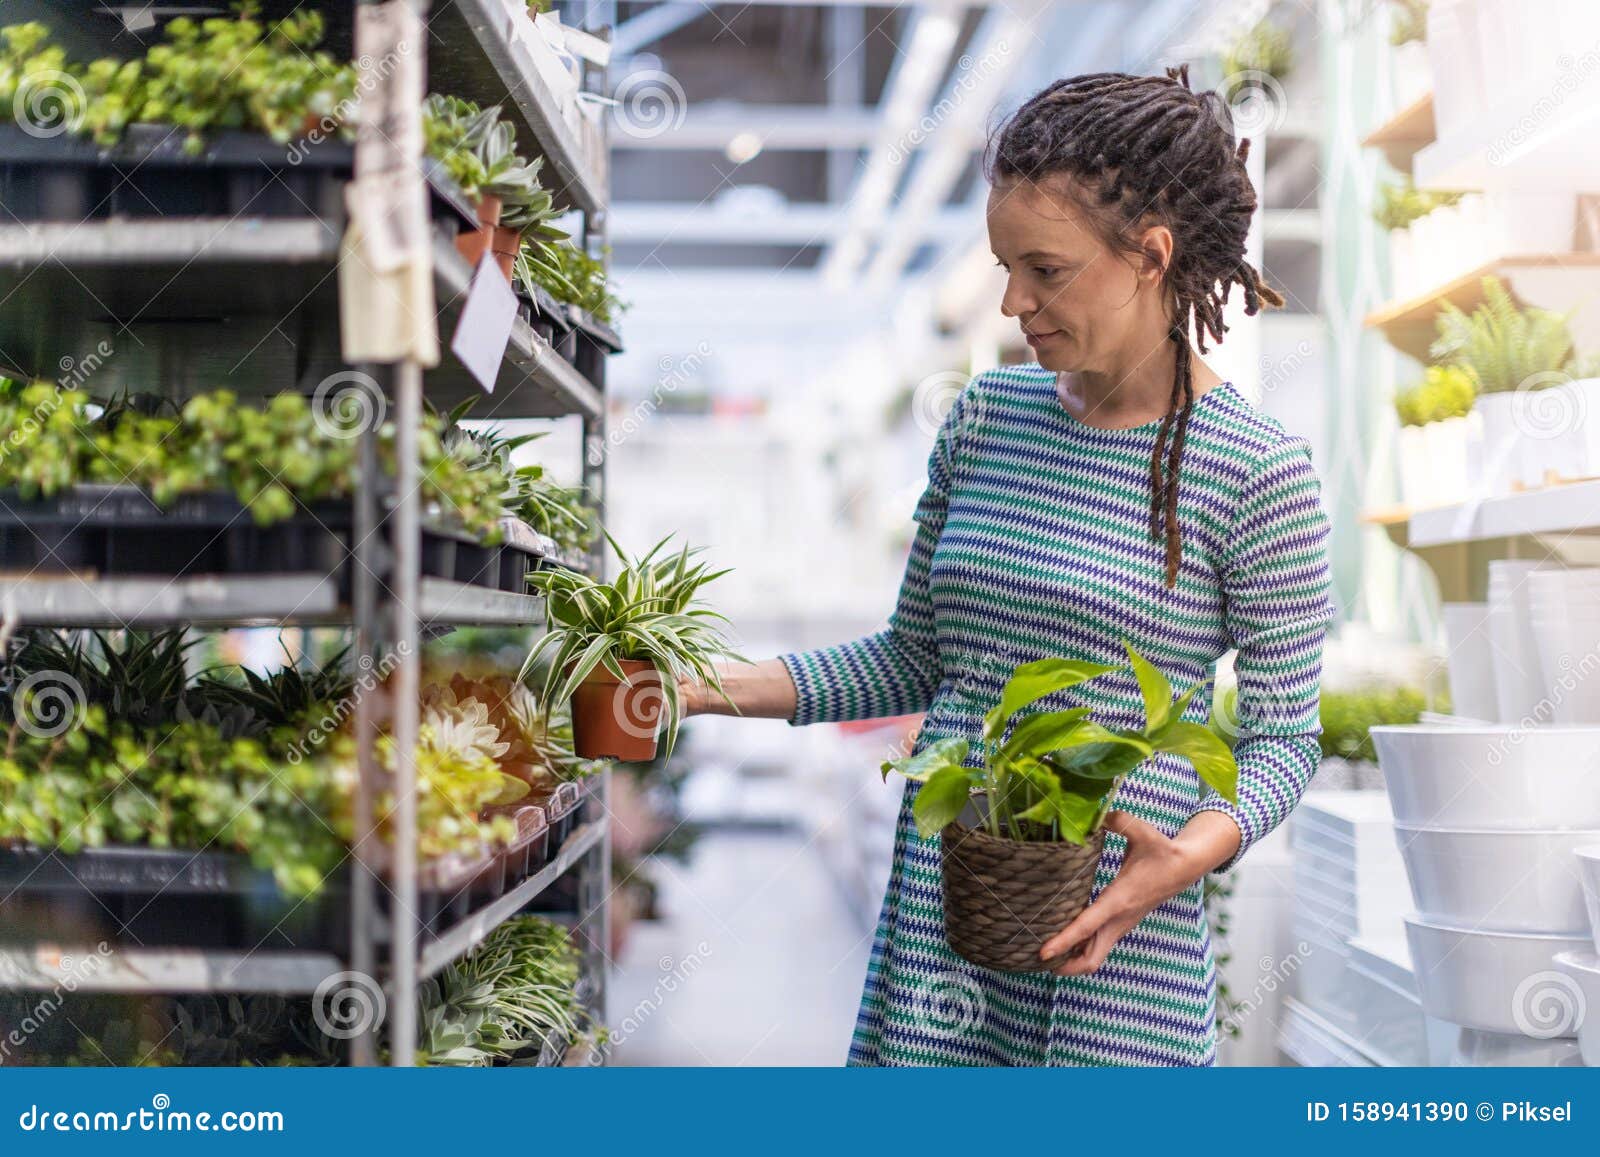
1156	246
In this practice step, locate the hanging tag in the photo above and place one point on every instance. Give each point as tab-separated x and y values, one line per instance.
484	330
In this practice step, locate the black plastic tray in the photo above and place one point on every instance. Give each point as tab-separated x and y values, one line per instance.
148	174
119	530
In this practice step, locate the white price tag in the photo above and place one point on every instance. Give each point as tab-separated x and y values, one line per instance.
484	330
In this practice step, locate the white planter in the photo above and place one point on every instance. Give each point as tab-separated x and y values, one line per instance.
1564	608
1589	865
1403	279
1470	656
1497	881
1416	482
1448	447
1522	224
1492	778
1584	968
1515	47
1476	1049
1500	466
1586	394
1494	981
1456	61
1519	690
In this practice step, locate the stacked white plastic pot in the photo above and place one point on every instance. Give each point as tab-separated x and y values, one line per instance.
1488	819
1583	966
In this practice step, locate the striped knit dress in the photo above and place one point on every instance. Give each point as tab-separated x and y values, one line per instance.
1033	541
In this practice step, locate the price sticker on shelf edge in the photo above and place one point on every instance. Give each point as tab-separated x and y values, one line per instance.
484	330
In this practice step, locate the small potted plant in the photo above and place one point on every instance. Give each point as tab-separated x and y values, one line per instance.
1026	868
1516	359
618	649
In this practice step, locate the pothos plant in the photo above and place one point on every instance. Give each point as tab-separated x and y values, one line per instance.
1054	776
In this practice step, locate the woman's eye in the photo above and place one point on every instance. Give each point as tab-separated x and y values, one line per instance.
1047	270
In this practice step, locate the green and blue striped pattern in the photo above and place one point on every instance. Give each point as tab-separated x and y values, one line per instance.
1033	541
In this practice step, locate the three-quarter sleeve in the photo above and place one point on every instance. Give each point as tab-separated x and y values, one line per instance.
1277	606
897	670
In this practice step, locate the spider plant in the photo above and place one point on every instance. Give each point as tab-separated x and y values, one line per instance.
649	612
1054	777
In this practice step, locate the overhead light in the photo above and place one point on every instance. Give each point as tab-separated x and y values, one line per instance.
744	147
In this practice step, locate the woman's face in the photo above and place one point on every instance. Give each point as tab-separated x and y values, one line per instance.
1082	305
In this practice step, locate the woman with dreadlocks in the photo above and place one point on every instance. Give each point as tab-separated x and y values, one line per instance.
1117	490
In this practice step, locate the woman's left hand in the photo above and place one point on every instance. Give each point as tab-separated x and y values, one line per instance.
1155	868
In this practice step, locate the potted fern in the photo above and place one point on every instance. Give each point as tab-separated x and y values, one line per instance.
1516	360
620	649
1037	797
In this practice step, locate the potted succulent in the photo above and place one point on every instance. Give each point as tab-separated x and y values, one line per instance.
454	132
618	649
1258	59
1026	868
1516	359
1439	436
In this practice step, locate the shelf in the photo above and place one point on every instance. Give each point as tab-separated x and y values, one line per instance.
471	932
238	600
1553	510
1408	130
1511	147
162	970
249	303
1559	279
473	56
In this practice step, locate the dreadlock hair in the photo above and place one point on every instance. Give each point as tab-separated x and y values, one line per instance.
1146	150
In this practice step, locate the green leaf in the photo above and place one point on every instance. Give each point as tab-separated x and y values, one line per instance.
1154	687
1033	681
941	799
1071	810
1213	761
935	757
1039	735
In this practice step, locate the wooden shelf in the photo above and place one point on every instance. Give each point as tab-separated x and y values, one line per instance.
1402	135
1409	325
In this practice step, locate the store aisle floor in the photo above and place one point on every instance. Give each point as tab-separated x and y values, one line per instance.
755	962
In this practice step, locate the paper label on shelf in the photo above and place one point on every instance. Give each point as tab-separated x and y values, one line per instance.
484	330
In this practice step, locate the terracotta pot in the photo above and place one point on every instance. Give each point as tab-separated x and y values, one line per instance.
507	244
474	243
616	720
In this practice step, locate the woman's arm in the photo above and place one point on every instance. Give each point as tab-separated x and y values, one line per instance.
1276	585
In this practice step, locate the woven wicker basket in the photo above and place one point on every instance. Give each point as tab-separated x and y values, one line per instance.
1004	898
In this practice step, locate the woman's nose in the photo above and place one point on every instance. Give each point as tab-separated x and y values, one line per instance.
1016	301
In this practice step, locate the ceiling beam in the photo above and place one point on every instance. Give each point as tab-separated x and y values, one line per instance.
651	25
807	223
780	126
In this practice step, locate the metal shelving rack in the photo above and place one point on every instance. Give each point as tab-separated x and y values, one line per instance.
294	261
